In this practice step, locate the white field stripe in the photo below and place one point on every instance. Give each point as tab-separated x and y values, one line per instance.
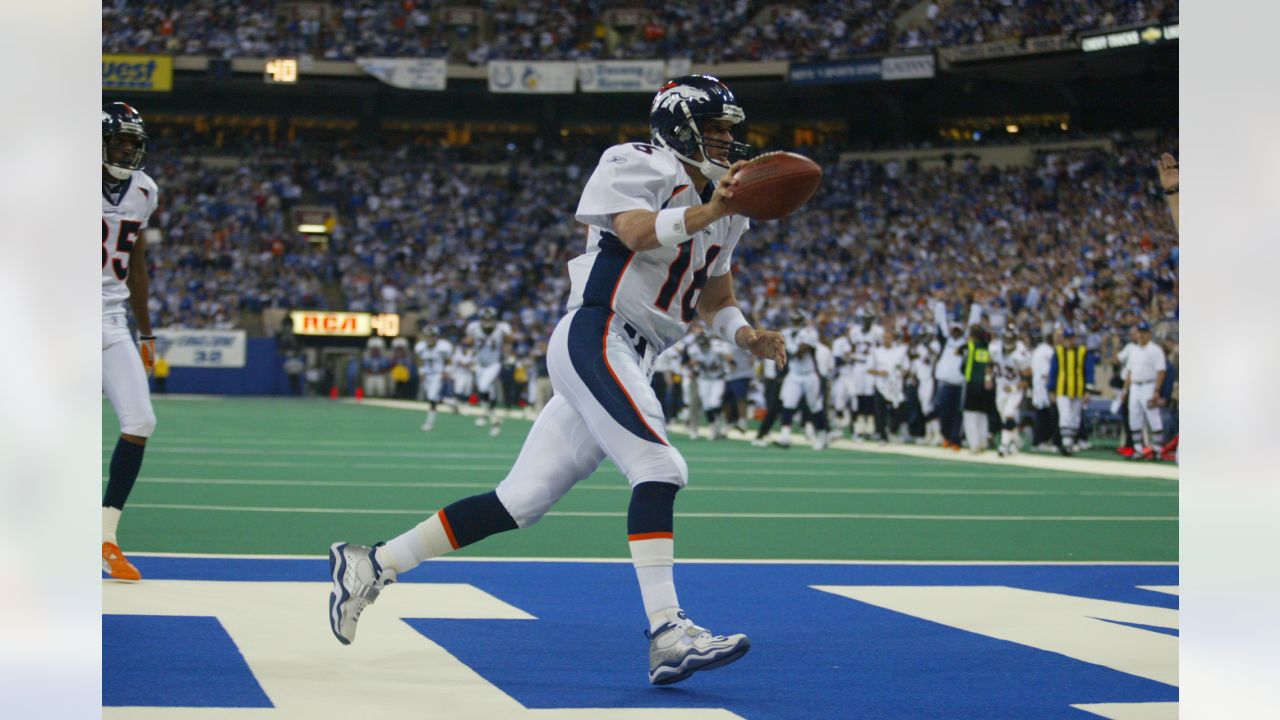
1085	466
852	470
751	516
301	448
705	561
623	487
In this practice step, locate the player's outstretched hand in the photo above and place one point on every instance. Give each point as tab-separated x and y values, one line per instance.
765	344
147	349
724	189
1168	167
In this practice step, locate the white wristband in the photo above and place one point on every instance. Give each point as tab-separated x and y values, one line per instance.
728	322
669	227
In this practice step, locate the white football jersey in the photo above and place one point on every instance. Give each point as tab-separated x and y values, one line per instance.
842	350
802	366
1011	365
709	363
488	344
462	359
864	343
433	358
122	224
657	290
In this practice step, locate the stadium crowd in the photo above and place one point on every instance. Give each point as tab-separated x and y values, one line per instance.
746	30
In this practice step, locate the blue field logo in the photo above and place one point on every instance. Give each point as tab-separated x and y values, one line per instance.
501	639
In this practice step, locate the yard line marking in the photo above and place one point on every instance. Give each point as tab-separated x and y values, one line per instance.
853	470
622	487
755	516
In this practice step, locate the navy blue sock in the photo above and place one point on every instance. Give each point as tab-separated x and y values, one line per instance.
475	518
126	461
652	509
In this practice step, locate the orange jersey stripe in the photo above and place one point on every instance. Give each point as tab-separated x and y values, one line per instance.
448	529
651	536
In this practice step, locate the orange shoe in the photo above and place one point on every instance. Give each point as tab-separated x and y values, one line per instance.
115	564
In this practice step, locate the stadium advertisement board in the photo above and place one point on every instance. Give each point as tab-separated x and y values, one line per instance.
830	73
621	75
201	348
344	324
1113	38
137	73
407	73
508	76
907	67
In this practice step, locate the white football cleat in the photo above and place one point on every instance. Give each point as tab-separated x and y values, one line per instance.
426	426
759	442
679	649
357	580
481	421
495	430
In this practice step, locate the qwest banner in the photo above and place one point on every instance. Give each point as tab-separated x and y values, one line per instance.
621	75
407	73
201	348
514	76
145	73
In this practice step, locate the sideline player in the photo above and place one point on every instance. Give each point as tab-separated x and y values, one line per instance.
129	197
710	358
864	338
1010	370
803	383
659	251
493	343
1144	372
433	354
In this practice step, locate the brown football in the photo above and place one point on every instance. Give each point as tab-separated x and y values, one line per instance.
774	185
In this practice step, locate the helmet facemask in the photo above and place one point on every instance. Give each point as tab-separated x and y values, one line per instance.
121	167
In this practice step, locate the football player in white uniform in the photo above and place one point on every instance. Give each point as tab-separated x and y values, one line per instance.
803	383
710	360
461	371
658	254
1010	370
433	354
842	393
888	369
129	197
865	338
493	344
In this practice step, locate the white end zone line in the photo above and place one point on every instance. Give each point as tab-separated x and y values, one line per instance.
1039	462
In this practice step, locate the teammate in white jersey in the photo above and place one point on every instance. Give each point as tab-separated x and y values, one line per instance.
492	342
1010	371
129	197
433	354
865	338
803	382
710	358
461	371
658	256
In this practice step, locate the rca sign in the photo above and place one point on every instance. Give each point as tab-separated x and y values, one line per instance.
344	324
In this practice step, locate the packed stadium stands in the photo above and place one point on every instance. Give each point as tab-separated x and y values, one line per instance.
744	30
425	229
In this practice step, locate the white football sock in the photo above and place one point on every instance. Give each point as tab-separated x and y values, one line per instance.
654	559
426	540
110	520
